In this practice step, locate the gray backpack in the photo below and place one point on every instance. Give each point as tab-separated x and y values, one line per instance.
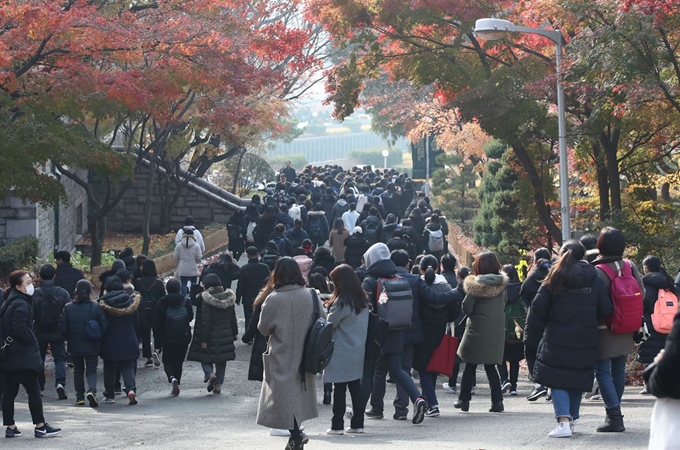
398	309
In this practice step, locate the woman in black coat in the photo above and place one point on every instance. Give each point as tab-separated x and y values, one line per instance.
265	227
563	325
225	268
22	362
323	258
84	351
655	278
120	347
355	247
237	234
152	290
513	352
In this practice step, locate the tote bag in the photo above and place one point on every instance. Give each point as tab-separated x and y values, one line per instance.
444	356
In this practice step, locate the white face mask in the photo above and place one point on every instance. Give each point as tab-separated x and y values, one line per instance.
30	290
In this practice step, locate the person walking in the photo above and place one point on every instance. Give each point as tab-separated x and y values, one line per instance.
22	362
189	225
348	312
515	321
484	338
252	278
120	347
288	397
225	268
215	332
188	256
355	247
563	325
151	290
350	217
67	276
48	303
236	232
79	324
337	239
655	280
613	348
172	332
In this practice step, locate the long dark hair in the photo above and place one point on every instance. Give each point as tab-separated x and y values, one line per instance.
15	280
653	263
286	272
570	254
339	226
348	290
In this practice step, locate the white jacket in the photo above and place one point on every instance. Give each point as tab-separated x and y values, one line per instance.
187	255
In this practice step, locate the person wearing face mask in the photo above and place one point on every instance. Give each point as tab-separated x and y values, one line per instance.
22	362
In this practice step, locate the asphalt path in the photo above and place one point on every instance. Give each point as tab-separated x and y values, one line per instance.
199	420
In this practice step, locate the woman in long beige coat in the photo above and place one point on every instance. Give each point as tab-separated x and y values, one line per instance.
287	398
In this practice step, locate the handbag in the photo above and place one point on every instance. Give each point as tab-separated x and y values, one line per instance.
444	356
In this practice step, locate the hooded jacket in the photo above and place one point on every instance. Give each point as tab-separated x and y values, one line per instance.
216	326
187	255
170	301
119	341
63	298
17	320
296	236
72	327
563	327
338	210
327	203
484	303
350	219
533	281
321	217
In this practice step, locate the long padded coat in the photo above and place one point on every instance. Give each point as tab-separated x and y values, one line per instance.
216	326
286	395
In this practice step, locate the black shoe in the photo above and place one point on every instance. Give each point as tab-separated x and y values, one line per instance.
326	398
505	386
12	433
497	407
419	409
432	412
463	405
374	414
46	431
613	423
391	381
537	393
398	416
92	399
61	392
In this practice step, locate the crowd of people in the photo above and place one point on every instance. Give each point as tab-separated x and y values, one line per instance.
367	253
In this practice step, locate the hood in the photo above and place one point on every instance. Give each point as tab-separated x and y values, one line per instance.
315	213
342	202
487	285
173	300
434	226
324	259
295	232
656	280
129	288
119	303
187	241
438	279
580	275
117	265
218	297
376	252
328	198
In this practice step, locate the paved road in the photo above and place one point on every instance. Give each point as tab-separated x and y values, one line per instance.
198	420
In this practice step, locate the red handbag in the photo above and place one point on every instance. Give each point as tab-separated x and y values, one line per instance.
444	356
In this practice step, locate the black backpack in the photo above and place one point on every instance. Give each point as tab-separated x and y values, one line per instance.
270	260
147	309
315	228
319	344
371	231
235	231
280	244
177	328
50	312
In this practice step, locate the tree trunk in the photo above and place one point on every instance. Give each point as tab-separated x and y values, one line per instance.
610	143
147	204
666	192
96	241
237	172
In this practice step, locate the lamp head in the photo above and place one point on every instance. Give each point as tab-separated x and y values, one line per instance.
385	153
493	29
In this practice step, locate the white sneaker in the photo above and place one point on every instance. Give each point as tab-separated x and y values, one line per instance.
349	412
333	432
596	397
351	430
279	432
449	389
572	424
562	430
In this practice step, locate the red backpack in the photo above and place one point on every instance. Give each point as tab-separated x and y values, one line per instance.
665	308
626	296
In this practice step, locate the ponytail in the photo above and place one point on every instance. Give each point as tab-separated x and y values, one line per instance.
570	254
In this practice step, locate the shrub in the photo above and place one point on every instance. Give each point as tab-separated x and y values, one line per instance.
18	254
316	129
296	161
375	158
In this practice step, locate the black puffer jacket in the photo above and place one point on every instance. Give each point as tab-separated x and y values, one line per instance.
256	366
252	278
216	326
355	247
653	281
73	321
63	298
119	342
17	321
564	329
325	261
227	271
533	281
151	290
170	301
67	277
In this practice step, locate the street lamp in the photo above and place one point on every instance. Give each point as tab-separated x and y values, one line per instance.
385	154
493	29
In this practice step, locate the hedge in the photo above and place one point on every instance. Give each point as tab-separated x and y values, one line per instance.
298	162
375	158
18	254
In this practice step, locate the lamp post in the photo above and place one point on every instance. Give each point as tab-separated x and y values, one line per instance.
493	29
385	154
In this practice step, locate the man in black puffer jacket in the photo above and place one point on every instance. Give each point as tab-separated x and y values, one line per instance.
252	278
67	276
48	303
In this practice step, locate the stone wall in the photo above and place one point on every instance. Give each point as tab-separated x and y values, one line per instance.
19	219
205	206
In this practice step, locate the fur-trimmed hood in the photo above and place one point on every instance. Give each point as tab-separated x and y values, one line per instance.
119	303
218	297
486	286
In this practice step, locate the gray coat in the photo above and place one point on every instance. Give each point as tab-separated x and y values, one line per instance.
286	318
187	255
484	338
613	345
349	336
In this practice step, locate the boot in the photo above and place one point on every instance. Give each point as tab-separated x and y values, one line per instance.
463	405
497	407
613	423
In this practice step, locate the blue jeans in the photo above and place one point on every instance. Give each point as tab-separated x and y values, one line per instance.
611	377
59	355
428	382
220	369
566	403
183	284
